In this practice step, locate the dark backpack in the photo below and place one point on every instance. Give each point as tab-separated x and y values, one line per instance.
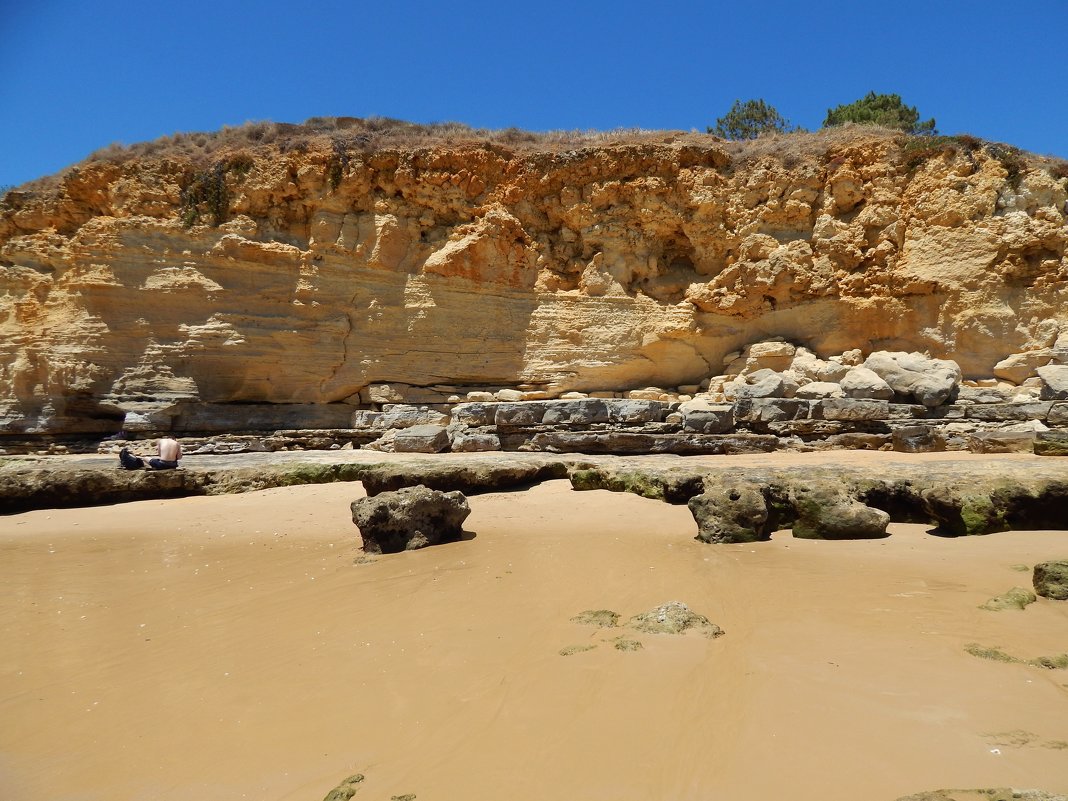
129	461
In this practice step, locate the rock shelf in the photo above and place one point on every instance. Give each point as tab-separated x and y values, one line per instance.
732	499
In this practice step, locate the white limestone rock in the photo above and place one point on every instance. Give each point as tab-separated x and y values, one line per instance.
860	382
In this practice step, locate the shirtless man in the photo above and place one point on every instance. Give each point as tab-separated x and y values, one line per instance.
168	452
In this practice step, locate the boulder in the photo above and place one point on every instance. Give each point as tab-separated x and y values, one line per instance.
850	358
772	354
1054	382
818	390
966	509
383	393
918	439
1018	367
421	439
790	380
1058	414
1051	443
409	518
730	512
772	410
768	385
860	382
707	418
1002	442
474	414
575	412
364	418
518	415
637	411
1050	580
649	393
466	440
826	512
807	364
930	381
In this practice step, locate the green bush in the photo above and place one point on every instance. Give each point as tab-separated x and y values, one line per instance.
886	110
919	149
749	120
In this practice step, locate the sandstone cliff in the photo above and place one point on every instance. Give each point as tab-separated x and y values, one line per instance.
302	275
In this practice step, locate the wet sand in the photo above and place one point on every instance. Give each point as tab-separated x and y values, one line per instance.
229	647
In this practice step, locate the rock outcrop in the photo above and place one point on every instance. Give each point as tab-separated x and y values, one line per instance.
171	293
1050	580
989	794
674	617
410	518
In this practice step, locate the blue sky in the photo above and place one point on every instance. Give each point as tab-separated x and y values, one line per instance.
77	76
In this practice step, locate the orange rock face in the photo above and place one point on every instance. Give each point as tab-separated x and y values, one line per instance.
296	277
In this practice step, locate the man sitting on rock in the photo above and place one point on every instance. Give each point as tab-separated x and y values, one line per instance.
168	452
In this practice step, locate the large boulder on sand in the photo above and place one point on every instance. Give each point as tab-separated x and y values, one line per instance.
825	512
1050	580
730	512
930	381
409	518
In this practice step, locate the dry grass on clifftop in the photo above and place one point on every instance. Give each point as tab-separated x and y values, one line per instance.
345	136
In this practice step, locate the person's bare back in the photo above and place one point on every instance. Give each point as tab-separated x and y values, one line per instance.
169	450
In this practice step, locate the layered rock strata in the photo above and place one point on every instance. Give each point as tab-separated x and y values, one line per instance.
165	293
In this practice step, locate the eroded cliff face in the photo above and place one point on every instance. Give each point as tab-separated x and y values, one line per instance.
605	267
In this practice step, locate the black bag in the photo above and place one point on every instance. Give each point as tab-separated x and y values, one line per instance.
129	461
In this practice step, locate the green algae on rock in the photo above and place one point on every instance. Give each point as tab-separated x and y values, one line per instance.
1016	598
601	618
1050	580
674	617
346	790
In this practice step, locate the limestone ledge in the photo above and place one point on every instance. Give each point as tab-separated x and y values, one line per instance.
732	501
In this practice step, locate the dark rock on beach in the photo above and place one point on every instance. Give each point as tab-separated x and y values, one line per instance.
409	518
731	512
825	512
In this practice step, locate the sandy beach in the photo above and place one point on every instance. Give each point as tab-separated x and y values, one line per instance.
238	647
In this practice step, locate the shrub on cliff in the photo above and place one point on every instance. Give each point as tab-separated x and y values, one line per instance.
749	120
888	111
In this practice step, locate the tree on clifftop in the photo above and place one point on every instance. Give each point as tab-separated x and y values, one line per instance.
886	110
749	120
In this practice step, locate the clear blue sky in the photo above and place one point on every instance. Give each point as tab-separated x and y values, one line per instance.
78	75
